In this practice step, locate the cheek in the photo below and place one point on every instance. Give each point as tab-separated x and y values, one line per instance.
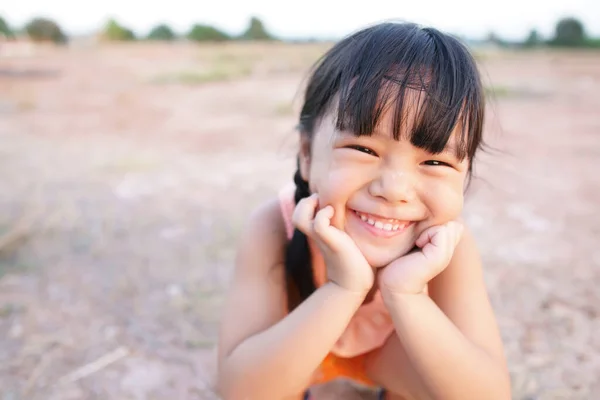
445	202
336	182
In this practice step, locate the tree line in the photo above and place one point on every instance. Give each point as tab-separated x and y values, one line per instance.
42	29
568	32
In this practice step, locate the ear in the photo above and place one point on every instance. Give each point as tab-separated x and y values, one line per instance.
304	157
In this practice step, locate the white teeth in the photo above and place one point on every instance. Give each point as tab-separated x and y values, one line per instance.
381	225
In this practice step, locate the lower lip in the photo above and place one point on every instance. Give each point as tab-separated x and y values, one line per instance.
376	231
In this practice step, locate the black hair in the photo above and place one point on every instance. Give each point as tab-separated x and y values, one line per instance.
373	68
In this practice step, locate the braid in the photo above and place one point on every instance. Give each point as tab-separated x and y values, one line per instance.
302	189
298	266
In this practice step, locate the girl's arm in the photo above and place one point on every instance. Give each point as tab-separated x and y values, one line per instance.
449	339
264	354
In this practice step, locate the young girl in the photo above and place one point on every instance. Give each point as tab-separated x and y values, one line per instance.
362	269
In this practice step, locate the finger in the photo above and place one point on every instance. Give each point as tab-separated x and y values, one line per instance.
324	229
437	246
304	214
426	236
323	220
453	230
441	238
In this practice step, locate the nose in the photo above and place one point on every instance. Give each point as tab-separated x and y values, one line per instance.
393	185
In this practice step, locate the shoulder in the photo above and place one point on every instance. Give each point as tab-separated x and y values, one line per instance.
263	237
257	295
267	220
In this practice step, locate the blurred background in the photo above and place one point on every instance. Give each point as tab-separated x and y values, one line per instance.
135	139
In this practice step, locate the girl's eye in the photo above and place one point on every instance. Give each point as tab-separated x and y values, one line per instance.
363	149
437	163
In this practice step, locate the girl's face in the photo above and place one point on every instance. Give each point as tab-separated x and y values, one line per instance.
385	192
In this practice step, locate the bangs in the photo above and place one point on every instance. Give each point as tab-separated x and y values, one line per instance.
427	79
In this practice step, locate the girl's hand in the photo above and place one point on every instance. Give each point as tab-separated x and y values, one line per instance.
346	266
411	273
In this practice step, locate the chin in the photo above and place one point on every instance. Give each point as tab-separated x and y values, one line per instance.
378	257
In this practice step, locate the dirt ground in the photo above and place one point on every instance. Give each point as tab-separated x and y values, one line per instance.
128	171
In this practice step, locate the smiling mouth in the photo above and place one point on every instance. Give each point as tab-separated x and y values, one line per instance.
386	226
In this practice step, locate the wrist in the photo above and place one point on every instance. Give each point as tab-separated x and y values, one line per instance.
395	296
351	292
391	285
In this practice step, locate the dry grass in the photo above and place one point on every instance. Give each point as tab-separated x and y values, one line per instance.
234	61
216	73
284	109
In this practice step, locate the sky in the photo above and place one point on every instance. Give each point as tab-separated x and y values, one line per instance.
510	19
